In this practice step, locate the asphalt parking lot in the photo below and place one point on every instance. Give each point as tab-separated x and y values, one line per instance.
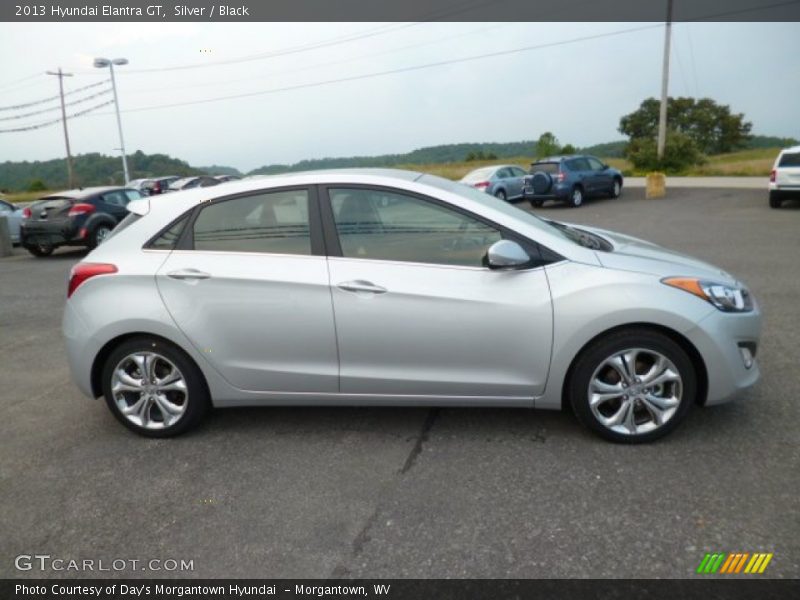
367	492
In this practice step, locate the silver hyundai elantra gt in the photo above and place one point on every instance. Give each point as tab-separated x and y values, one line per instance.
380	287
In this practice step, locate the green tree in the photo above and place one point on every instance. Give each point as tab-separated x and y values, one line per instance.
713	128
680	153
547	145
37	185
569	149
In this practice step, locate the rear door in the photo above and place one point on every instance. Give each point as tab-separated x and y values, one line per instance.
417	312
248	285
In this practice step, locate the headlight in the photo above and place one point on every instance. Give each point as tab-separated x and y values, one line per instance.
727	298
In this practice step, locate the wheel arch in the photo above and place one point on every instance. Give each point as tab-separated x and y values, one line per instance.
102	355
687	346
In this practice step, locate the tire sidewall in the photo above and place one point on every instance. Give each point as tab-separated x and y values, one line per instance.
501	195
593	355
572	202
93	241
198	396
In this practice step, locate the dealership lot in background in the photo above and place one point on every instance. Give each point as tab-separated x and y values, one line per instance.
320	492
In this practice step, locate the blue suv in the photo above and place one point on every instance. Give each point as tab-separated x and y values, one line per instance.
570	179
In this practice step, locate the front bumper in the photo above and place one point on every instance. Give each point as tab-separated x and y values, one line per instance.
719	338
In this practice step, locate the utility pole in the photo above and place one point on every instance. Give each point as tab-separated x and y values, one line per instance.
60	74
662	116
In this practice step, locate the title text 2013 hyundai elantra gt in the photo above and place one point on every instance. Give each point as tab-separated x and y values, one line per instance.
396	288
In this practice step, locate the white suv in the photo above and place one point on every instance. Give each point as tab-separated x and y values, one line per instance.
784	181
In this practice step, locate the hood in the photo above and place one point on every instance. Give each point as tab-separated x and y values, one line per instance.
633	254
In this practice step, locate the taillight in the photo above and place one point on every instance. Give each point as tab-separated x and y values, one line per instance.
81	209
773	174
481	185
157	188
560	177
83	271
26	213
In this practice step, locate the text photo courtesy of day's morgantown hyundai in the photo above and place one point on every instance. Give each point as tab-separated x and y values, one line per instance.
444	299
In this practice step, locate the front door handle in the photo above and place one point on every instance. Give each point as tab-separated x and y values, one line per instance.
188	274
359	285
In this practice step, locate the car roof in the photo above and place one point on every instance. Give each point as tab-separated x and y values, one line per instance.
83	192
791	150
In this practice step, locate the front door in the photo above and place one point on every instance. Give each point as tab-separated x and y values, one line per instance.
416	311
252	297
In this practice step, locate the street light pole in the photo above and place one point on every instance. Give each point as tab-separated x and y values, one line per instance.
662	115
102	63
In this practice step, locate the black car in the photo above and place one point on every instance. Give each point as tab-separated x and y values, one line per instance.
157	185
74	218
570	179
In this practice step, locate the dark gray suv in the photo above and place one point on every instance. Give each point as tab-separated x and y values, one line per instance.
570	179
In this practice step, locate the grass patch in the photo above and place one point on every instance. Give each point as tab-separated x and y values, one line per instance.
15	197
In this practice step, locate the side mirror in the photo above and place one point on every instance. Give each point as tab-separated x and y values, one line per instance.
506	254
605	167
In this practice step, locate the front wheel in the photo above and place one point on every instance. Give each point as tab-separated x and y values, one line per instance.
616	189
633	386
153	388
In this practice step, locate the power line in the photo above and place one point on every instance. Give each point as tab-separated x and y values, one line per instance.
22	79
54	121
395	71
51	98
52	108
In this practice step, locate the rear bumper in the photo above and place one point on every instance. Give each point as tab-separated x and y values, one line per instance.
559	191
55	234
784	193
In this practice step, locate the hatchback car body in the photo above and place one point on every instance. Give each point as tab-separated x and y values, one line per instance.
311	289
784	180
503	181
571	179
187	183
157	185
83	217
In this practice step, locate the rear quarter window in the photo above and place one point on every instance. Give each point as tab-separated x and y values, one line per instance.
790	159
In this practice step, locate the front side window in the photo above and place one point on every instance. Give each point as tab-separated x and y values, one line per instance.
273	222
383	225
115	198
133	194
595	164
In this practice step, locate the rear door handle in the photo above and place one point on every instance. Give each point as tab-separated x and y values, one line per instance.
188	274
359	285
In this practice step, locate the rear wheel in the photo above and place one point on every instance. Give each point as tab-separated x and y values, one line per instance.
99	235
775	201
153	388
537	203
40	250
501	194
576	197
632	386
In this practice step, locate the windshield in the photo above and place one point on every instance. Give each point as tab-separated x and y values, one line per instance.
495	203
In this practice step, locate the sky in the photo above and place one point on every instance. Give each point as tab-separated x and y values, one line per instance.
578	90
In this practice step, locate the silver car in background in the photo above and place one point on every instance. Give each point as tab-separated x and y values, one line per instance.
502	181
380	287
14	216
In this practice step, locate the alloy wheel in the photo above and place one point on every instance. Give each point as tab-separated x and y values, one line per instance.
149	390
635	391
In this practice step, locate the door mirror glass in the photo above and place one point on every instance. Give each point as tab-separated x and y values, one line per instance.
506	254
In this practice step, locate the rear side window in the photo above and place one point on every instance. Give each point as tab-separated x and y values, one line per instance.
548	167
790	160
168	239
274	222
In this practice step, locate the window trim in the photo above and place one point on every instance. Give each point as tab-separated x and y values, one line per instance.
540	255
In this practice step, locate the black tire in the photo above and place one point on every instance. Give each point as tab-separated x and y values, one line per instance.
98	234
537	203
501	194
616	188
775	201
197	398
589	363
576	197
40	250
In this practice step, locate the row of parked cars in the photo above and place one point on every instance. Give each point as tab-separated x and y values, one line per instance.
569	179
86	216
